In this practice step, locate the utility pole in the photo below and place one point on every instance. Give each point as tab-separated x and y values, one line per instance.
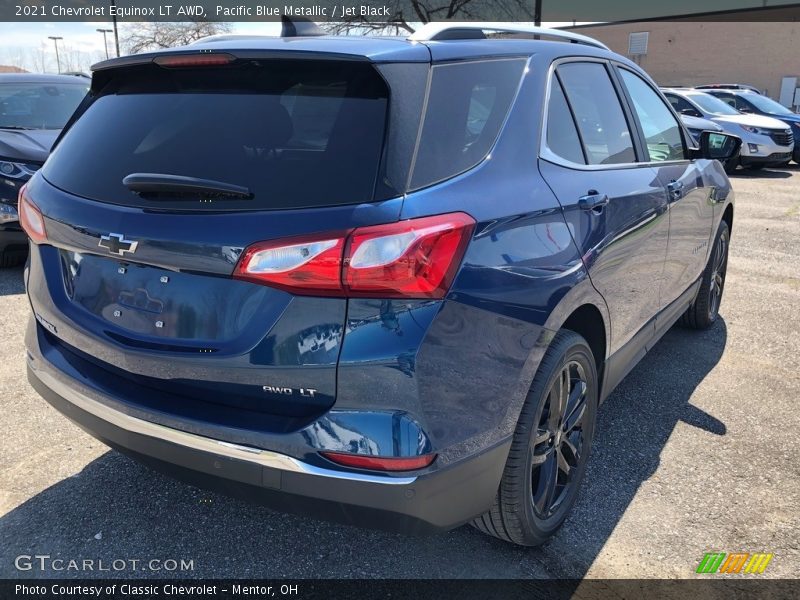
114	19
537	13
55	41
105	43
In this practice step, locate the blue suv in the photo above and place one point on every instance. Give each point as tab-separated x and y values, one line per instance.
382	281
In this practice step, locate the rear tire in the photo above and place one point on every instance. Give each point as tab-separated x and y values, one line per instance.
12	258
703	312
550	448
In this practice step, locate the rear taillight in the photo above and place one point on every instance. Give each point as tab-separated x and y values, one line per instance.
380	463
313	265
417	258
410	259
31	219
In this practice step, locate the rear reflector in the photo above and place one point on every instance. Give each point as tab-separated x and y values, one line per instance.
417	258
31	219
379	463
195	60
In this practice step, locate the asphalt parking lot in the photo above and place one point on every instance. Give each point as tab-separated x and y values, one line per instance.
697	451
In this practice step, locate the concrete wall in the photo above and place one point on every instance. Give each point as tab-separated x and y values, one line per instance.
692	53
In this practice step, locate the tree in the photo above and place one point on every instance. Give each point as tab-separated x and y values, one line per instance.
408	13
141	37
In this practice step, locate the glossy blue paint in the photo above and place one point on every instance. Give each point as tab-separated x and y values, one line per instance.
389	377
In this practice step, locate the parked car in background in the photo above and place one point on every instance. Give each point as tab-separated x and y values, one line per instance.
749	102
727	86
327	274
33	109
765	140
697	125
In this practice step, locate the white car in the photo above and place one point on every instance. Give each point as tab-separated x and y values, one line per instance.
696	126
765	141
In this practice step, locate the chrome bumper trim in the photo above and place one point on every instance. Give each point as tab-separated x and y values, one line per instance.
265	458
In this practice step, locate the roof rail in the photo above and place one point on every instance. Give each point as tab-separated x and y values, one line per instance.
468	30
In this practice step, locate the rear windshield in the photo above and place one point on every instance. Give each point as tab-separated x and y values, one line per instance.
295	133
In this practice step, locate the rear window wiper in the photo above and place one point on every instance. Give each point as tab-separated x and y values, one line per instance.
178	185
16	127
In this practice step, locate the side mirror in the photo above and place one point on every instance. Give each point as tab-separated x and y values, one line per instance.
690	112
718	146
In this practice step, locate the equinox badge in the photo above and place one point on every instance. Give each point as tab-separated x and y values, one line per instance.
117	244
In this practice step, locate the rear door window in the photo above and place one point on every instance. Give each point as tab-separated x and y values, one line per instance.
296	133
562	134
605	133
467	105
660	127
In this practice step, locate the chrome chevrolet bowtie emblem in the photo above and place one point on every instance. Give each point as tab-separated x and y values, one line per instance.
117	244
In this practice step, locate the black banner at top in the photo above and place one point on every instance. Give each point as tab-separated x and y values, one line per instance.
388	11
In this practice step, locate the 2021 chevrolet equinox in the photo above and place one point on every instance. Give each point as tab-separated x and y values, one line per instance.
381	281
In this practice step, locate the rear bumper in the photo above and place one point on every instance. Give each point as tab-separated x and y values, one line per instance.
426	503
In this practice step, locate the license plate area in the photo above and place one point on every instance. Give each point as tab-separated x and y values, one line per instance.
154	303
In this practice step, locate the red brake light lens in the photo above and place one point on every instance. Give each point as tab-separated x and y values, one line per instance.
379	463
195	60
410	259
417	258
311	265
31	219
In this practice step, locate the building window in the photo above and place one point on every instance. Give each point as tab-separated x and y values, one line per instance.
637	43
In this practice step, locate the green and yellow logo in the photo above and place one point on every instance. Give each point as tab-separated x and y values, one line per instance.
736	562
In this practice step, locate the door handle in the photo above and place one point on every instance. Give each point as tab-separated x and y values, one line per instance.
675	189
593	201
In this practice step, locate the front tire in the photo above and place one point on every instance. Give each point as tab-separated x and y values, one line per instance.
703	312
730	165
550	448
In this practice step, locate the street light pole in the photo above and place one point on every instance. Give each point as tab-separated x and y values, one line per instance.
105	42
114	20
55	41
537	13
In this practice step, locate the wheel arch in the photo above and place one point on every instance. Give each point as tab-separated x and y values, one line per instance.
727	216
584	311
581	308
587	321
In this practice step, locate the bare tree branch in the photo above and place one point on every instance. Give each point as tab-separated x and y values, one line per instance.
141	37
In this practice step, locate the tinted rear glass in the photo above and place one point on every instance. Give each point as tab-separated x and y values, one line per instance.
295	133
467	105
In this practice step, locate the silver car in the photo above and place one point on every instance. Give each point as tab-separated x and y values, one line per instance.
765	141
